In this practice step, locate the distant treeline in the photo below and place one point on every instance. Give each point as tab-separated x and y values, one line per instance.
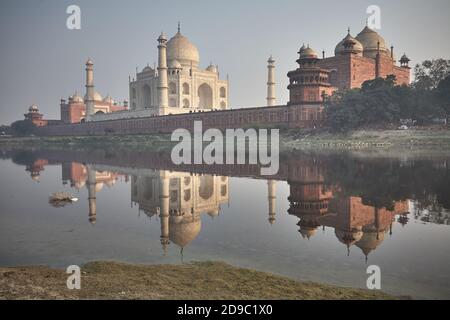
382	103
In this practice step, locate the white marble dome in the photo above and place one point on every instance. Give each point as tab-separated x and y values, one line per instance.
97	96
181	49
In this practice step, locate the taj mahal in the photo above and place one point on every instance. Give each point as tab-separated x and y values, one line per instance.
189	87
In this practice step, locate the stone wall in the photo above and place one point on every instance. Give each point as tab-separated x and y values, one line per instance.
292	116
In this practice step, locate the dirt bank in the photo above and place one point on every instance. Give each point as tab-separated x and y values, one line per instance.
205	280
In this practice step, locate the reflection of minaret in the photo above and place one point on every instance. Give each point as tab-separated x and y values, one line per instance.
91	184
164	211
271	190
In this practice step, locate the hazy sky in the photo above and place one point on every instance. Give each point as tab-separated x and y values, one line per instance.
42	61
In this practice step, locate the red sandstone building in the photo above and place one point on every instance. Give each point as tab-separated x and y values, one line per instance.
73	110
37	118
356	60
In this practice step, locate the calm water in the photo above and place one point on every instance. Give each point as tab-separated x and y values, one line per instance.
324	217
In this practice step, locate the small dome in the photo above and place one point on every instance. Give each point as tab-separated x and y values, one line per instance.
308	53
213	213
147	69
348	41
97	96
370	39
76	98
108	99
181	49
212	68
89	62
404	58
302	48
174	64
33	108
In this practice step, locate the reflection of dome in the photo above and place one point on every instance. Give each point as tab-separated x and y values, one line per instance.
370	241
206	188
213	213
340	48
348	237
184	232
369	39
79	184
181	49
98	186
307	232
97	96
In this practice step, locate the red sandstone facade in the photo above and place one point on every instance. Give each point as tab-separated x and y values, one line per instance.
74	110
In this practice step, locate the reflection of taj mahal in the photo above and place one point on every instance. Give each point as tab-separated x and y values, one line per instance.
179	199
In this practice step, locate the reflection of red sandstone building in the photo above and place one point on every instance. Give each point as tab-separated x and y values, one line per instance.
354	222
36	167
74	110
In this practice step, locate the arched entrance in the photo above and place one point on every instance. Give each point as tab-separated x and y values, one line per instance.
147	96
205	97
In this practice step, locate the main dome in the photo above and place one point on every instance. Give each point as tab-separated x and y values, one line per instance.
181	49
370	39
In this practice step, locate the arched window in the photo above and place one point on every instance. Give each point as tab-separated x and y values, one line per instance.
333	78
185	88
172	102
223	105
99	112
133	93
186	103
205	97
223	92
172	88
147	96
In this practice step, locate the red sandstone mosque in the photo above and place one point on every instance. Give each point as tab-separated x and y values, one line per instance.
356	60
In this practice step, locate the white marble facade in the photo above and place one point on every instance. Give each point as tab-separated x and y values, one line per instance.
190	88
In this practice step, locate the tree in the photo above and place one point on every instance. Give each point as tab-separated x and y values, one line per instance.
443	96
429	73
23	127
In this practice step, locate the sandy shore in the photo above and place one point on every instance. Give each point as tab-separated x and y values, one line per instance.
202	280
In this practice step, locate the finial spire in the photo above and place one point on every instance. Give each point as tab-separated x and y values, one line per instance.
179	27
348	30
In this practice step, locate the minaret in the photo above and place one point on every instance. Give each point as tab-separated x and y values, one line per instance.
271	82
89	89
271	188
377	61
164	210
92	197
163	89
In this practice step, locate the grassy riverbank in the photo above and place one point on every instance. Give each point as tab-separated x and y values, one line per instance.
289	140
201	280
